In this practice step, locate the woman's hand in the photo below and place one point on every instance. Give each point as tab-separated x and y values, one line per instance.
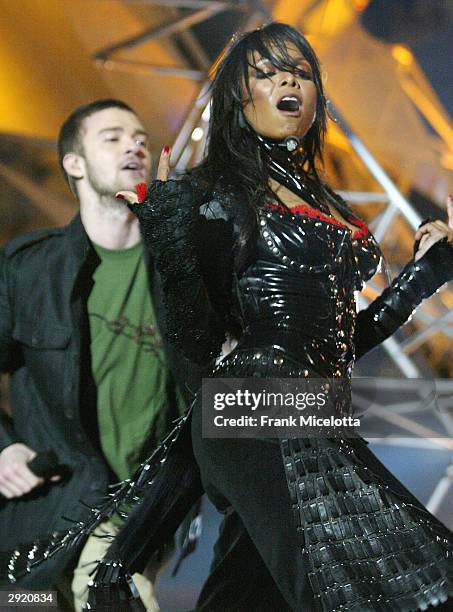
432	232
163	172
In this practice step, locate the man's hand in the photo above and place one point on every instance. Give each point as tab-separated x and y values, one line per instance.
16	479
432	232
163	172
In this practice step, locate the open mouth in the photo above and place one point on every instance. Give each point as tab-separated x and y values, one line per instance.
132	166
289	104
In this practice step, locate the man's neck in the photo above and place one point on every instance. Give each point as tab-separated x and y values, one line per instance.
109	223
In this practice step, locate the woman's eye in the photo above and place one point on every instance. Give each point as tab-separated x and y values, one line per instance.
112	139
261	74
304	74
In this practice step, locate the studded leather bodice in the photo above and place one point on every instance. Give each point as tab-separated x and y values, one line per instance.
298	294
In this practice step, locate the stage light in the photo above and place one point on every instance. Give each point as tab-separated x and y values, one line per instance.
197	134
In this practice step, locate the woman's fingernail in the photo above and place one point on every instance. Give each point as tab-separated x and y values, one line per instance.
166	149
141	191
120	196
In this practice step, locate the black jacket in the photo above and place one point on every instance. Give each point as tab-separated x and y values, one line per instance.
45	280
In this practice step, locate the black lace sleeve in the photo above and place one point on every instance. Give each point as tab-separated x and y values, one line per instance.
417	281
178	235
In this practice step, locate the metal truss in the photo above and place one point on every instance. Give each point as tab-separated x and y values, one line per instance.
58	209
253	12
397	205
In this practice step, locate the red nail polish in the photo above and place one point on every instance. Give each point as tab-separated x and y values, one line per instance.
141	190
119	196
166	150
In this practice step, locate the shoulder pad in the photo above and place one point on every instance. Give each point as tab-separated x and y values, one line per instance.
22	242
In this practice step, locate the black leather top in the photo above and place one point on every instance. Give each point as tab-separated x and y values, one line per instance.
298	294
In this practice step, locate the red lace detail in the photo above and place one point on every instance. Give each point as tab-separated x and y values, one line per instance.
141	190
303	209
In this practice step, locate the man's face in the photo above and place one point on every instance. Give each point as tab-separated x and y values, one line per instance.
115	150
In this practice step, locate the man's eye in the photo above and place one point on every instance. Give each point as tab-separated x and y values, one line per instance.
141	143
112	139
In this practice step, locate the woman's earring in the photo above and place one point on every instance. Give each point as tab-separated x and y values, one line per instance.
330	111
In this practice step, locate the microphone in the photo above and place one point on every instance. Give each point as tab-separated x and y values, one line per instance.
44	464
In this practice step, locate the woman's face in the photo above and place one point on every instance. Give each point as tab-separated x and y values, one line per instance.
283	103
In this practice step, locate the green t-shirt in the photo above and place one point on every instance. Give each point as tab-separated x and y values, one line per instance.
134	385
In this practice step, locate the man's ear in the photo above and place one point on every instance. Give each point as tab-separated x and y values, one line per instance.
73	165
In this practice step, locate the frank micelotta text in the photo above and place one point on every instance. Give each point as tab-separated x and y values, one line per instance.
300	420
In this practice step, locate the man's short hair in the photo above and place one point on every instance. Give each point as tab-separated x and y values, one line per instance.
70	136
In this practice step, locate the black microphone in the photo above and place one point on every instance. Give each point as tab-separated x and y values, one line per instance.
44	465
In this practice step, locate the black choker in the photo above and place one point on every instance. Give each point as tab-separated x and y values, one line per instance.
285	159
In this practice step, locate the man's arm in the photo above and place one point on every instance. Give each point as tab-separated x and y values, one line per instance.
16	479
6	318
7	433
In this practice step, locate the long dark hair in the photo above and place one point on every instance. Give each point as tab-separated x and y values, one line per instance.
229	153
